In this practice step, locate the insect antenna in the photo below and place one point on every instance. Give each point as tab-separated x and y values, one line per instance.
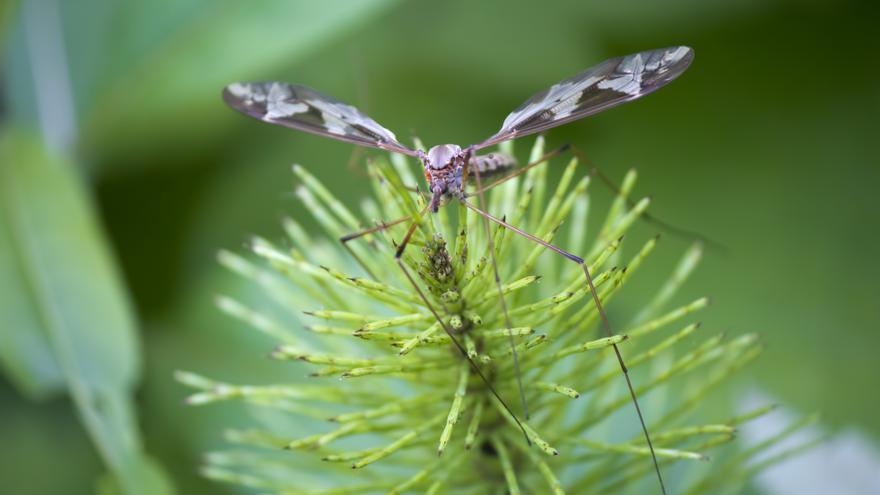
398	258
606	325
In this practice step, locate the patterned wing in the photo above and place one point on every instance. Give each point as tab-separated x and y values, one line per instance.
299	107
606	85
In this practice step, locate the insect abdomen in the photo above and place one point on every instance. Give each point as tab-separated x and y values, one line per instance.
493	163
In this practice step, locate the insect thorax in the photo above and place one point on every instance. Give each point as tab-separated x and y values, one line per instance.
444	169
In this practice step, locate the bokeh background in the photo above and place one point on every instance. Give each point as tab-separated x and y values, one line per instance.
123	174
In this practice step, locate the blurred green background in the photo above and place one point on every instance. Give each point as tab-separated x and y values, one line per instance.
123	174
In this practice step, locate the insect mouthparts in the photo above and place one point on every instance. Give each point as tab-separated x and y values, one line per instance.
436	195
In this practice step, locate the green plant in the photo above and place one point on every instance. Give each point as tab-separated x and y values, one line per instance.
389	396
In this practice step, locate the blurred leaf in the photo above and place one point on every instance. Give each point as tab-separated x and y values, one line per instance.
24	347
60	275
64	309
169	88
36	435
7	9
147	476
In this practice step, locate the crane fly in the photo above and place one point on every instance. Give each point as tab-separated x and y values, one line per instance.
447	166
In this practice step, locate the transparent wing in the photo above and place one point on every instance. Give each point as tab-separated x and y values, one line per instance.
606	85
299	107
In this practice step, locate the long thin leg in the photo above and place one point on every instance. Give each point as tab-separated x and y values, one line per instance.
381	226
377	228
384	225
398	259
602	316
596	172
481	200
359	260
668	227
521	170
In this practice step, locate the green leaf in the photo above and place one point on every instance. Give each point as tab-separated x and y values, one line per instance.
171	86
146	476
7	8
61	298
65	321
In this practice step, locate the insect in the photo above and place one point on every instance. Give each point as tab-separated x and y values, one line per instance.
447	166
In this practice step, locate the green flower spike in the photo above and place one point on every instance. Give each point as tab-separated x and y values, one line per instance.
390	406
